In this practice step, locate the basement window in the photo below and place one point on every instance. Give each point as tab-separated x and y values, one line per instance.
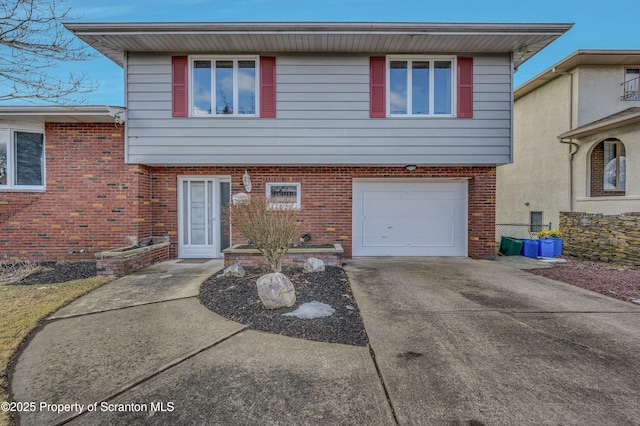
283	194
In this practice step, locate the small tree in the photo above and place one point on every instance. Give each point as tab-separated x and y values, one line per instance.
33	41
270	225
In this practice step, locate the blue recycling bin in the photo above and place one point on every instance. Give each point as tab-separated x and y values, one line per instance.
557	246
545	247
529	248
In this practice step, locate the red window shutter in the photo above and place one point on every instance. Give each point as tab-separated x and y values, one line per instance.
377	89
180	86
267	86
465	87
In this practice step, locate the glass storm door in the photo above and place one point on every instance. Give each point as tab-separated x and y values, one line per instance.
201	230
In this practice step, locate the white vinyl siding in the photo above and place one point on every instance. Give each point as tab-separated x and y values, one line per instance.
322	118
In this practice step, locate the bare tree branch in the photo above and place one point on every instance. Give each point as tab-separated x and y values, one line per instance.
33	44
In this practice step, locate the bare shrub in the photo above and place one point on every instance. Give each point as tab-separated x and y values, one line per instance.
14	272
270	224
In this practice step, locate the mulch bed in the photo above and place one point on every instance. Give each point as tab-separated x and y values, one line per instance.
59	272
237	299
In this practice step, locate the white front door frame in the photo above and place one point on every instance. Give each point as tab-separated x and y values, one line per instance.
199	216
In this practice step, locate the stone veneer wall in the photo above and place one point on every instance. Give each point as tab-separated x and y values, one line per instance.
611	238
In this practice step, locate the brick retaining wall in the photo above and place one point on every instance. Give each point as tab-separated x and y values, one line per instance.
294	257
614	238
126	262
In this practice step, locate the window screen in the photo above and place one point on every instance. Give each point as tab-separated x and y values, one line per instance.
29	150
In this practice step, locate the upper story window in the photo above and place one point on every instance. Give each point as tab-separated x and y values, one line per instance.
631	85
420	86
224	86
21	159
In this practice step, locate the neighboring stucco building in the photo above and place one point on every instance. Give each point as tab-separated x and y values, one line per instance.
386	134
576	140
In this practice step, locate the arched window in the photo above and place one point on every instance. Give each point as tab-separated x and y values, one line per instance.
608	168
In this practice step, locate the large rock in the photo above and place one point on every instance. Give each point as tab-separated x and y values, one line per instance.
235	270
313	265
276	291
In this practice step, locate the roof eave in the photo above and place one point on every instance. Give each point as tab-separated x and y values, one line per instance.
577	58
589	130
111	39
315	27
54	113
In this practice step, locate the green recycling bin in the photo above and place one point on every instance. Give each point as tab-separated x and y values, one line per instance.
510	246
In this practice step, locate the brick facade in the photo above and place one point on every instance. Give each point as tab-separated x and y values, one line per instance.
326	197
93	201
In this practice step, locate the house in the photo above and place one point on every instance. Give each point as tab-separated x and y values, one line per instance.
386	134
576	127
65	190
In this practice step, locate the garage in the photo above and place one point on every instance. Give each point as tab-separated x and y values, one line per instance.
410	217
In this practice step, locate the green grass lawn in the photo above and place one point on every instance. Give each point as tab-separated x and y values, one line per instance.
22	308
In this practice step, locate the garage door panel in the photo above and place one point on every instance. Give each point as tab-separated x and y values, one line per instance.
408	204
402	218
403	232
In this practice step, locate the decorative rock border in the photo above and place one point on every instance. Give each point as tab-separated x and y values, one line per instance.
296	256
125	260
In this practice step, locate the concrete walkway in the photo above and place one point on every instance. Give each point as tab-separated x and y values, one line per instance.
453	342
147	341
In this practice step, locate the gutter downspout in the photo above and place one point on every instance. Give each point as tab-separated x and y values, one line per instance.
571	143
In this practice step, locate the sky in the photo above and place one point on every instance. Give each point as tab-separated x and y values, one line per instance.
598	24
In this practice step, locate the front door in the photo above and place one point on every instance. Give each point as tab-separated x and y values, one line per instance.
202	232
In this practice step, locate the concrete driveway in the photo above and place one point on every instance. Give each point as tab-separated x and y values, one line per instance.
467	342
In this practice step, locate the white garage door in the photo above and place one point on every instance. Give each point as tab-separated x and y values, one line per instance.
407	217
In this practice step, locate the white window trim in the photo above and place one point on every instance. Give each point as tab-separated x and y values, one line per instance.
295	205
431	59
11	185
235	59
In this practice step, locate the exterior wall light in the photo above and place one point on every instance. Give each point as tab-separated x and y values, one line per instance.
246	181
410	167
